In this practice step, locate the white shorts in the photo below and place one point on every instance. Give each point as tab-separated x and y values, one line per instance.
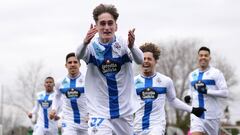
69	128
39	130
118	126
157	128
209	126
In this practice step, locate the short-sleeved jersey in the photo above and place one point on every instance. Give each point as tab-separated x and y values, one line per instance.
109	79
72	94
152	92
214	80
44	106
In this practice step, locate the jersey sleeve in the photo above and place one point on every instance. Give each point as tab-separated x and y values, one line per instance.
174	101
36	107
222	90
137	55
83	52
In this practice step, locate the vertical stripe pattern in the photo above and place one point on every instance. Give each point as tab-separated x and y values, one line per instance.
200	95
147	106
45	113
76	113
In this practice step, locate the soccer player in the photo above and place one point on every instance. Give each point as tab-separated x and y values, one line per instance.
43	105
152	89
207	85
110	93
70	95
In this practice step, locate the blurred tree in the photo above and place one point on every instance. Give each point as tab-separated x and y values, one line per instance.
29	81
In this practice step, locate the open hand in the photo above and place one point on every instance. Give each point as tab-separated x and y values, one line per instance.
90	34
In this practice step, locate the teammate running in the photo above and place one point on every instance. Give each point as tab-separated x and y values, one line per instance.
43	105
207	86
70	95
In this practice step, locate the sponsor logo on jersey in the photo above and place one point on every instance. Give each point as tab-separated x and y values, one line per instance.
45	103
72	93
109	66
148	94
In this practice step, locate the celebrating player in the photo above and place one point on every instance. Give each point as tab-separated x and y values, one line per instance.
109	79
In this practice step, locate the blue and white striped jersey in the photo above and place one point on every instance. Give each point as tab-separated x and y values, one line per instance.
109	78
43	106
152	92
217	87
70	94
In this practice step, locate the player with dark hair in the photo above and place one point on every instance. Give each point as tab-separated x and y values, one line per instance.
207	85
43	106
70	96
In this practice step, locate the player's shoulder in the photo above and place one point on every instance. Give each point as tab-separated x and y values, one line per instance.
163	77
62	79
214	70
41	93
121	41
82	76
193	73
137	76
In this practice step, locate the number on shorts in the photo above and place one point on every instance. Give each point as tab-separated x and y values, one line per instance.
96	121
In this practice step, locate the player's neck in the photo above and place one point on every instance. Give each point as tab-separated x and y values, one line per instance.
106	41
148	74
72	76
49	91
203	68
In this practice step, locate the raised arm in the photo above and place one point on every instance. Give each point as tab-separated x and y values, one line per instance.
81	50
136	52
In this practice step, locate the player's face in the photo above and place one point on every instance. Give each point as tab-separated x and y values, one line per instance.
49	84
148	66
203	59
106	26
72	66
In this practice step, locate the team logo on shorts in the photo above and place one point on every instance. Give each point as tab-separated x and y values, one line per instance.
109	67
148	94
45	104
72	93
